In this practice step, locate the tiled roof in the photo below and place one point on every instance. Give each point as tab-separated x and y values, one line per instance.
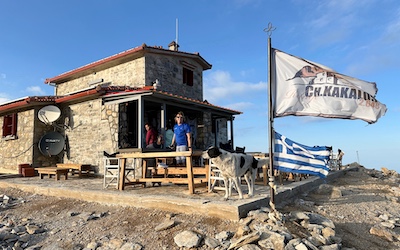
202	103
119	58
117	90
95	92
25	102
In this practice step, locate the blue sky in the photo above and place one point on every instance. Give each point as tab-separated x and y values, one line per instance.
42	39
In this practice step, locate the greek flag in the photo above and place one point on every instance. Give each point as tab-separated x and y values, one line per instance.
290	156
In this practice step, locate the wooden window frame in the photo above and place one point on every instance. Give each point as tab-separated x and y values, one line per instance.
10	126
187	76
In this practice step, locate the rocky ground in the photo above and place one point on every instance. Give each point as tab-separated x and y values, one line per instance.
360	210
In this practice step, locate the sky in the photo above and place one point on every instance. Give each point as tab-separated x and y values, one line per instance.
359	38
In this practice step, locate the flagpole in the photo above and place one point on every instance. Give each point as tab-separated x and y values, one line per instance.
271	134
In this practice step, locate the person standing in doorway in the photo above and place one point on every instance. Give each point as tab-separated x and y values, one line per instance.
168	135
182	137
151	136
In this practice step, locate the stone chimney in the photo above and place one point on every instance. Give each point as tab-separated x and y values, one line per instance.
173	46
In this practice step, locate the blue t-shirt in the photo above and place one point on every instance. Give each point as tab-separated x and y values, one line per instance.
180	132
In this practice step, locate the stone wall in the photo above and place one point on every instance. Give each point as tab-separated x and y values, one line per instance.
169	71
17	151
207	135
93	129
222	131
131	73
143	72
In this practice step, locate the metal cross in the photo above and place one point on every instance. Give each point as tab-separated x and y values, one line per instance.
269	29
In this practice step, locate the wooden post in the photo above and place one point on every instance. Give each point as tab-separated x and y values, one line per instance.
121	183
190	174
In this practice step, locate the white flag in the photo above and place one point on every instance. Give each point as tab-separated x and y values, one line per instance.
305	88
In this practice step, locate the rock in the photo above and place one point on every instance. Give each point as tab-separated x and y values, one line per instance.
249	247
278	241
336	193
241	231
301	246
246	221
381	232
187	239
115	243
247	239
330	247
92	245
211	242
321	220
324	189
224	235
168	223
131	246
266	244
32	229
299	215
387	224
328	232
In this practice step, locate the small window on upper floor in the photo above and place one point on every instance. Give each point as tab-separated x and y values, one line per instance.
10	126
187	76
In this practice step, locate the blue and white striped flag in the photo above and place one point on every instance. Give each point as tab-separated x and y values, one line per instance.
290	156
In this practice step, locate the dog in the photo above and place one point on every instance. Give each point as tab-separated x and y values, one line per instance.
233	166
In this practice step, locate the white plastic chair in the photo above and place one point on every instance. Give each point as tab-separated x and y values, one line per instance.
111	172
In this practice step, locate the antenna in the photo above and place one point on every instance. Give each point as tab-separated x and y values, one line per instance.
51	143
176	31
49	114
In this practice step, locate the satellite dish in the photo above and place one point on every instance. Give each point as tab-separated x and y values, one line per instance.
49	114
51	143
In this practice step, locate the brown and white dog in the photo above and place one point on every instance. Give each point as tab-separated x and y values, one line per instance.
233	166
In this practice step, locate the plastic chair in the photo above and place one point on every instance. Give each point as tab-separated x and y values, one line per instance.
111	172
215	179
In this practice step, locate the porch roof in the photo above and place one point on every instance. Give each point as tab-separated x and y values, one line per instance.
25	103
152	94
113	94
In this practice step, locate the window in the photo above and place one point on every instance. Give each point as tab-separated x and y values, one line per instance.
10	126
187	77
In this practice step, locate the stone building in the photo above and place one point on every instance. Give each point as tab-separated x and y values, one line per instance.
104	105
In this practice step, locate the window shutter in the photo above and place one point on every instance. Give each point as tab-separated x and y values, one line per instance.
14	124
10	125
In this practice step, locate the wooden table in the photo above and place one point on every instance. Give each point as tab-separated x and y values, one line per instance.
189	168
80	168
53	171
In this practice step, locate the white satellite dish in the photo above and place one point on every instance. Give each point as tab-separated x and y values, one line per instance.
49	114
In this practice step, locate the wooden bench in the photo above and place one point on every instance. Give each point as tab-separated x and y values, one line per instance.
81	169
53	171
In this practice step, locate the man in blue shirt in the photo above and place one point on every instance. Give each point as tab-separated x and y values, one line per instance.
181	137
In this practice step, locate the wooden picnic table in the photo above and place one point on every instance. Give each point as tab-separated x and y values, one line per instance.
57	172
81	169
165	179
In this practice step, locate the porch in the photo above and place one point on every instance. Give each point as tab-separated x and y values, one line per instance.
168	197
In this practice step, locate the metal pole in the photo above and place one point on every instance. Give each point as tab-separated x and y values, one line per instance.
358	159
271	133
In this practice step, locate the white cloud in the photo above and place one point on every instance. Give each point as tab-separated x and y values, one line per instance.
36	90
219	85
334	21
240	105
2	77
4	98
392	33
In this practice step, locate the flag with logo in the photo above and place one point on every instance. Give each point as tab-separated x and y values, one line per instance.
305	88
290	156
